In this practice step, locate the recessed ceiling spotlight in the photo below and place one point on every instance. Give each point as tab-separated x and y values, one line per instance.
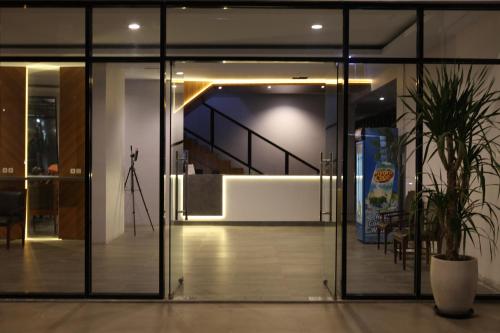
225	8
381	98
220	87
322	87
317	26
134	26
183	8
269	87
179	73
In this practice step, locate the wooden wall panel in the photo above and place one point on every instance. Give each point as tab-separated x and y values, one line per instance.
72	120
72	153
12	119
72	210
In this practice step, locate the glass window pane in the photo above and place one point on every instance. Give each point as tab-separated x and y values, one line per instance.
489	279
382	33
462	34
42	31
126	31
50	215
254	31
125	178
381	179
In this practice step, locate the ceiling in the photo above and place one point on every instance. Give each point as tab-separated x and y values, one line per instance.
200	27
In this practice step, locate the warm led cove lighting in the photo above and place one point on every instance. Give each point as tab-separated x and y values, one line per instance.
179	73
134	26
317	26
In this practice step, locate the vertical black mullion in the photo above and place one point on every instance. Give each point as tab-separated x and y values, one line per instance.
345	56
88	150
163	28
419	153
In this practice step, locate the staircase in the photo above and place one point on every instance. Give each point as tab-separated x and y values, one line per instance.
203	156
209	162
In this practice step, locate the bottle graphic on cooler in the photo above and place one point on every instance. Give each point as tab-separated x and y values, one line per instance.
381	187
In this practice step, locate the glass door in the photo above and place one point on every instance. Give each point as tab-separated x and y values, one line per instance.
253	180
328	183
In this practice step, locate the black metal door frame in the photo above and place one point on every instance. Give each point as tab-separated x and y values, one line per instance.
419	61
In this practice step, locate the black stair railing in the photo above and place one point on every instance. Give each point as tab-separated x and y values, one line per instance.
250	134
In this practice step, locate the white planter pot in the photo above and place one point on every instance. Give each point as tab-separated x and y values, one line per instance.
454	285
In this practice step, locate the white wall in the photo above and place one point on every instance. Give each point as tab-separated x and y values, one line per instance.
142	131
107	154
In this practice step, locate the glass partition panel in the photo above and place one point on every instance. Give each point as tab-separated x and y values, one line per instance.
126	31
461	34
42	31
125	201
42	168
489	279
254	31
382	33
381	182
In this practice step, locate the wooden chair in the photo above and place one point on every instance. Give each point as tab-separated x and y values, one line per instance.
12	205
404	236
388	219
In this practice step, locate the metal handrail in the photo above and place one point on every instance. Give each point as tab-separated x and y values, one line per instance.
251	132
199	137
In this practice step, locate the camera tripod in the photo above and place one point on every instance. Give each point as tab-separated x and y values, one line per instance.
135	180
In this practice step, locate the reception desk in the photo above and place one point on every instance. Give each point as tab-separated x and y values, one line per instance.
256	198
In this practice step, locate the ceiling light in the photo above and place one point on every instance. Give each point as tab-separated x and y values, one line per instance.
322	87
220	87
184	8
134	26
225	8
381	98
174	86
269	87
317	26
179	73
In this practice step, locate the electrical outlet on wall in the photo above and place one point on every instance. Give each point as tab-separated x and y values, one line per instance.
78	171
11	170
72	171
4	170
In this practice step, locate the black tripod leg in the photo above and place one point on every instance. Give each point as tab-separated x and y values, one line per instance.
128	175
143	201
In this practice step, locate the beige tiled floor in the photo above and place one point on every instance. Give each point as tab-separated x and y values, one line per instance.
86	317
218	262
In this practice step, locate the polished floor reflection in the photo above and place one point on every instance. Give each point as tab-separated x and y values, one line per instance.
366	317
255	263
219	263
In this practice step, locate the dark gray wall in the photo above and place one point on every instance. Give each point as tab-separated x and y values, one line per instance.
295	122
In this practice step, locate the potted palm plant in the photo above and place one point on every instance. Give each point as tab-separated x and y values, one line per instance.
459	113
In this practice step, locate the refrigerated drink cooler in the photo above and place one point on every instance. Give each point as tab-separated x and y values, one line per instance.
376	178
